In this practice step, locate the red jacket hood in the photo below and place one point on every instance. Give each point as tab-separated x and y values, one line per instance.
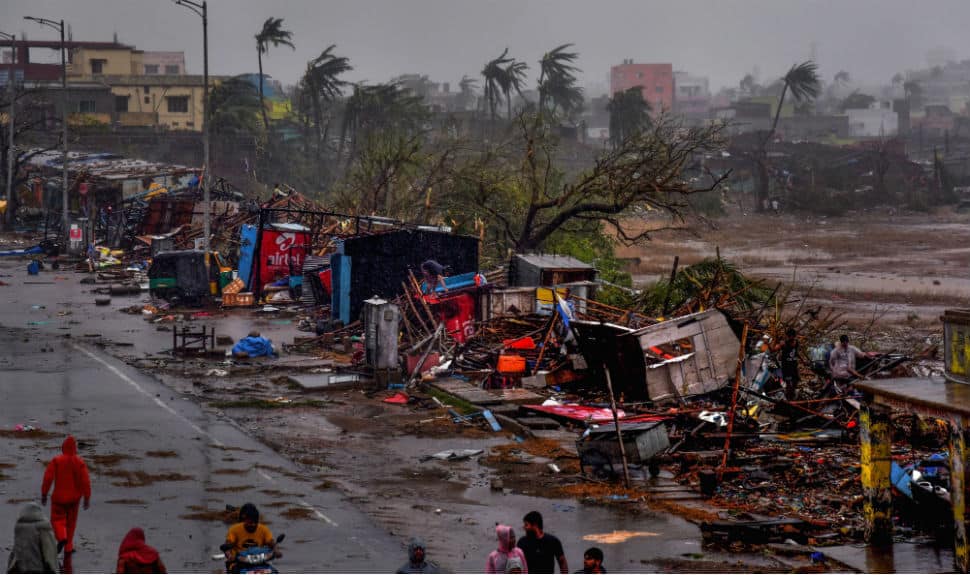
69	447
133	547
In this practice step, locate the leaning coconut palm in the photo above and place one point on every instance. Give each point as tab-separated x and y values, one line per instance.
272	33
379	107
557	80
514	80
802	81
495	79
322	85
629	115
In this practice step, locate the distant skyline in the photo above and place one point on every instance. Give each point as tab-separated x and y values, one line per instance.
720	39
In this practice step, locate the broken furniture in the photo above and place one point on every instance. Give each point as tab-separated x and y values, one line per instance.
642	441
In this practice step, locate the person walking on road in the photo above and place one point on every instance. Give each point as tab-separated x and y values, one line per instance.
417	561
507	556
34	547
542	550
136	556
69	475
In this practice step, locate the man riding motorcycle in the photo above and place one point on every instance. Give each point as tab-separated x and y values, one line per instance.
249	532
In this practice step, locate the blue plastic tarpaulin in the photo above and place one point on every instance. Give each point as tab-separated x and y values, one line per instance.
26	252
254	347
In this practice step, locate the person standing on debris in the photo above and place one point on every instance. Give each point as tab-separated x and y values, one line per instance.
542	550
788	358
433	276
842	361
593	561
136	556
69	475
417	562
34	547
507	556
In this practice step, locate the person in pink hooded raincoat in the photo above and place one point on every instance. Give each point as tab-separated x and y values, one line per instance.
507	558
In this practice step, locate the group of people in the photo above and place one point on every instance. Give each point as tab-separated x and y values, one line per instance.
535	552
38	541
840	362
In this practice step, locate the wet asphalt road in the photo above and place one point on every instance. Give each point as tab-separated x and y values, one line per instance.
114	410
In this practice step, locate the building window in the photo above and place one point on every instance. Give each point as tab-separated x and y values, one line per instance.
151	69
178	104
148	100
639	75
97	66
172	70
659	89
145	89
121	103
86	107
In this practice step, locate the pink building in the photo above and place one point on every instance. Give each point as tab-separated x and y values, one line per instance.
656	80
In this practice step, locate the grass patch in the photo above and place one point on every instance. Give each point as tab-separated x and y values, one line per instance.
18	500
5	477
254	403
214	515
141	478
298	513
108	460
276	504
460	405
161	454
229	488
127	502
325	485
35	434
229	471
231	448
278	493
7	465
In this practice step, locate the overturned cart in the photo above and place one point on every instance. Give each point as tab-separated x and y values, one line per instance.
643	442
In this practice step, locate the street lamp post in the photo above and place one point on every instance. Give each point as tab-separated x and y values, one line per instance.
201	9
59	26
11	75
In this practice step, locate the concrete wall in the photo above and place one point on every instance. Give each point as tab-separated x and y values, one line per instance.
657	81
155	101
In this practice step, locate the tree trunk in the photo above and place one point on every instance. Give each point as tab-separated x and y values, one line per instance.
262	102
761	192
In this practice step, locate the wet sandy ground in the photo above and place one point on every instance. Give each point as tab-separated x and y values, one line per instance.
901	267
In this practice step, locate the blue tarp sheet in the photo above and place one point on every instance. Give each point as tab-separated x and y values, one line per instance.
26	252
254	347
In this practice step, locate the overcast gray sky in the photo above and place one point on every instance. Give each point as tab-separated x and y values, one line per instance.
722	39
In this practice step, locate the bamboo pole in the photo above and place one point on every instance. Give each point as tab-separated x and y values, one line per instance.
616	422
734	399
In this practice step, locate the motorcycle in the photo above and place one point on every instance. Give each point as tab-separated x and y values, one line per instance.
254	559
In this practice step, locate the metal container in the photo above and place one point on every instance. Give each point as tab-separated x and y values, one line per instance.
641	441
956	344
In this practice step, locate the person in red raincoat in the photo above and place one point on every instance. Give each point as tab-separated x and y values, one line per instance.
136	556
69	474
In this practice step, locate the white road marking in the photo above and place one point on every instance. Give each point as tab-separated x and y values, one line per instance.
196	428
142	391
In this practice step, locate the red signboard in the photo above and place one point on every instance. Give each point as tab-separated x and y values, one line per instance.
282	254
76	233
83	188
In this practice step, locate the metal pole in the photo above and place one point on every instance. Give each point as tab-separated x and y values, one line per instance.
10	127
65	218
616	422
206	208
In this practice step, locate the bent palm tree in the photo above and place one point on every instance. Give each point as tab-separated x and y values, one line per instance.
272	33
802	81
514	80
495	80
234	107
557	80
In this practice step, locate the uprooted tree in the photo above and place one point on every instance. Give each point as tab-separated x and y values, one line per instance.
527	189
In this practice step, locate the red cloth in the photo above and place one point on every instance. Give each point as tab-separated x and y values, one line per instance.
135	550
64	522
69	475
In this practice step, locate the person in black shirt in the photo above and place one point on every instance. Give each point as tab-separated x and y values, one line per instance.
542	550
788	357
